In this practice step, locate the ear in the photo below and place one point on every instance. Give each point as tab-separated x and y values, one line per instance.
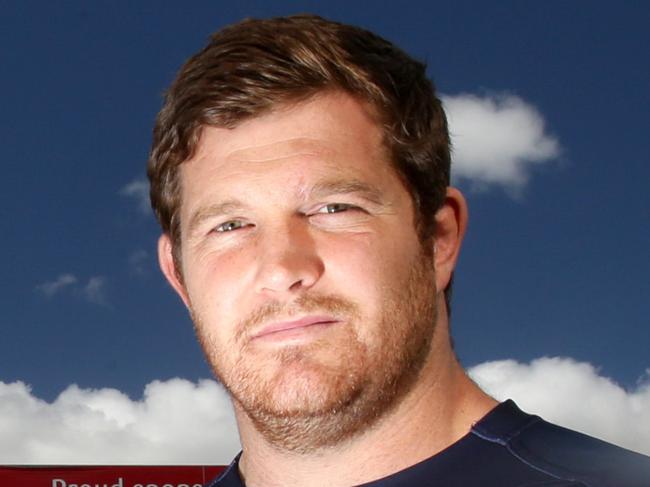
168	267
450	225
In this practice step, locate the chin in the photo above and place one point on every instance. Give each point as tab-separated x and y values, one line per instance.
300	386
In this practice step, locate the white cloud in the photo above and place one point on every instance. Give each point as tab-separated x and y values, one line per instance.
179	422
497	140
50	288
95	290
176	422
575	395
137	262
138	189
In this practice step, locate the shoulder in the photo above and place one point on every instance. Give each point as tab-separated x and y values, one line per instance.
229	477
562	453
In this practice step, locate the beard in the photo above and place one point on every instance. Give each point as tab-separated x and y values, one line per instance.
306	397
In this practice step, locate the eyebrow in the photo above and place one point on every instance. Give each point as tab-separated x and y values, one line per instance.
346	186
320	190
211	211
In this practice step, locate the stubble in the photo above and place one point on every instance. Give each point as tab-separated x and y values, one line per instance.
306	404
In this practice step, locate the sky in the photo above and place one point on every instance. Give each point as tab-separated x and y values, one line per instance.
548	105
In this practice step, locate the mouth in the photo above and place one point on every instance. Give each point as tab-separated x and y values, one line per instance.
285	329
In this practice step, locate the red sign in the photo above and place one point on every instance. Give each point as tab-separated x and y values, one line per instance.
108	476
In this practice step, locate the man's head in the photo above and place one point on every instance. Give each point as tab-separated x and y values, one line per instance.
256	66
299	171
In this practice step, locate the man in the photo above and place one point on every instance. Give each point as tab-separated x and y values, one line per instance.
300	173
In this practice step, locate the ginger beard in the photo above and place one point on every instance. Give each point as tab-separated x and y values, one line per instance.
302	400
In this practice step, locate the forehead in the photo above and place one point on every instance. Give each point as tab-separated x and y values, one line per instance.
321	120
331	132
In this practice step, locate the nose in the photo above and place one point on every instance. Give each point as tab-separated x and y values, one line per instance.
288	260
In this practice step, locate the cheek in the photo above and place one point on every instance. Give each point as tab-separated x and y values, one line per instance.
381	257
366	268
372	270
351	260
215	285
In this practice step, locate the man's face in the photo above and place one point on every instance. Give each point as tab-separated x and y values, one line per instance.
311	294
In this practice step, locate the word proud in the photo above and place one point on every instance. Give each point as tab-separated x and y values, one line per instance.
119	483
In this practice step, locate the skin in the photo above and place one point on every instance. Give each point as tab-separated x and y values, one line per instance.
297	215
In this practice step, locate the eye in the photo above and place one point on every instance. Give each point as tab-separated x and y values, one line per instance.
336	208
230	226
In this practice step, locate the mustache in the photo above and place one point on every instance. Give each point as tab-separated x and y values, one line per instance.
307	303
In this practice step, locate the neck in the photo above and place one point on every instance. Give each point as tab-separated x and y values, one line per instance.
444	403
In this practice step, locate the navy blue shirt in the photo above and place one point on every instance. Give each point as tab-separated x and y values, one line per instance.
509	448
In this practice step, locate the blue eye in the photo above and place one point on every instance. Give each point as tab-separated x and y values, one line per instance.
230	226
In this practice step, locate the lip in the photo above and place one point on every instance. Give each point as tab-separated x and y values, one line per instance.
277	328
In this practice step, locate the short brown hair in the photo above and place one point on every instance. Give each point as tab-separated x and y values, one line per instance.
251	67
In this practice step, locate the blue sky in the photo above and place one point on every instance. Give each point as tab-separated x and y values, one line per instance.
555	262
